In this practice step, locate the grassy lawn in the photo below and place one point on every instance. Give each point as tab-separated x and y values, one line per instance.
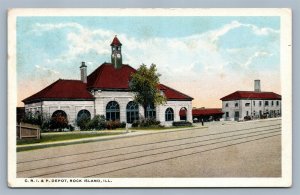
63	136
77	135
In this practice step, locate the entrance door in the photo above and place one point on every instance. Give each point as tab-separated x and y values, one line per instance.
236	115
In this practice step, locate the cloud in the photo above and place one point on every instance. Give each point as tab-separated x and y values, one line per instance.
256	55
38	27
194	64
214	35
43	69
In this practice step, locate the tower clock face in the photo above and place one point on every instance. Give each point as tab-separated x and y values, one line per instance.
118	55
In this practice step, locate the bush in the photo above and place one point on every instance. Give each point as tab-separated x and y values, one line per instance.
71	128
146	122
182	124
83	121
35	119
247	118
98	123
123	125
59	122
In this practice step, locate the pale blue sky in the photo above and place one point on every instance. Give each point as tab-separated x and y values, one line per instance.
193	54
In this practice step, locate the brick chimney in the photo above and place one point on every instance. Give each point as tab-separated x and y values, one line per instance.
83	73
257	86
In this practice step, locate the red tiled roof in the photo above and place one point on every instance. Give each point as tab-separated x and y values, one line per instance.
251	95
203	111
62	90
206	111
108	77
173	94
105	77
116	42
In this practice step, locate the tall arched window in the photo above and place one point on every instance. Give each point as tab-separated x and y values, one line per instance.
83	114
150	111
59	120
169	114
132	112
183	113
112	111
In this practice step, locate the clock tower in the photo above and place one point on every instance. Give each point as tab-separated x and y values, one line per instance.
116	55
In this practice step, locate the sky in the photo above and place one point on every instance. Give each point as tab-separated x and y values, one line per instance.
204	57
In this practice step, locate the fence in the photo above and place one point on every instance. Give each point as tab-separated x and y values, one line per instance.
28	131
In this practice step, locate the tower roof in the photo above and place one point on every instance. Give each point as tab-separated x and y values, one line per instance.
116	42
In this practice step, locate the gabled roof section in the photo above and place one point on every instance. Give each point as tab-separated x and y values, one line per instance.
106	77
116	42
62	90
172	94
251	95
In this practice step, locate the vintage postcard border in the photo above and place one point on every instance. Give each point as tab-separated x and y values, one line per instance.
286	81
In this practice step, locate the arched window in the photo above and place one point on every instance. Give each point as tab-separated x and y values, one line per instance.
83	114
150	111
132	112
59	120
112	111
169	114
59	113
183	113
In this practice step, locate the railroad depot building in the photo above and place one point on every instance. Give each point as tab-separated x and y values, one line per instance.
254	104
106	92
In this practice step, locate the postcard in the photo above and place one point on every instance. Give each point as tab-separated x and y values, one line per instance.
112	98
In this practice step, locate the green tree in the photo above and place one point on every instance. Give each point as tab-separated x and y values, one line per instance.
144	82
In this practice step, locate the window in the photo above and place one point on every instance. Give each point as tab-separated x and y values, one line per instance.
112	111
247	113
272	103
183	113
83	114
132	112
266	103
253	103
254	113
259	103
236	104
247	104
169	114
226	105
59	120
227	114
277	103
150	111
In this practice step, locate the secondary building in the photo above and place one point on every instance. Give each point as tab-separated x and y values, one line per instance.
105	92
247	105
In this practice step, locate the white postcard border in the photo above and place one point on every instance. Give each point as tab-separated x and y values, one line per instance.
286	86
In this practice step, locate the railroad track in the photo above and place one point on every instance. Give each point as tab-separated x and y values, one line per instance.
100	162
